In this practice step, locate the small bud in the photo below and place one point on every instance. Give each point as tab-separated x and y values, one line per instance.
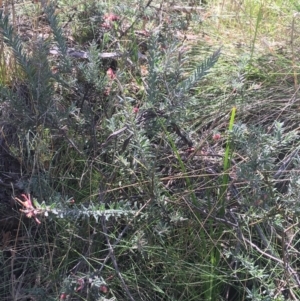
110	73
216	137
111	17
103	289
106	91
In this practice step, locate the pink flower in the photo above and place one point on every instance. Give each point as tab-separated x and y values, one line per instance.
103	289
106	25
216	137
111	17
80	281
190	150
111	74
28	208
135	110
108	20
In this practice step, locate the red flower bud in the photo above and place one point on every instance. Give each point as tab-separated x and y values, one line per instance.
216	137
111	74
103	289
111	17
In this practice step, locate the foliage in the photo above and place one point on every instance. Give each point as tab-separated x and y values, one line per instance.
143	185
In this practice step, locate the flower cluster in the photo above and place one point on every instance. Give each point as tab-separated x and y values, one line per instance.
28	208
108	20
